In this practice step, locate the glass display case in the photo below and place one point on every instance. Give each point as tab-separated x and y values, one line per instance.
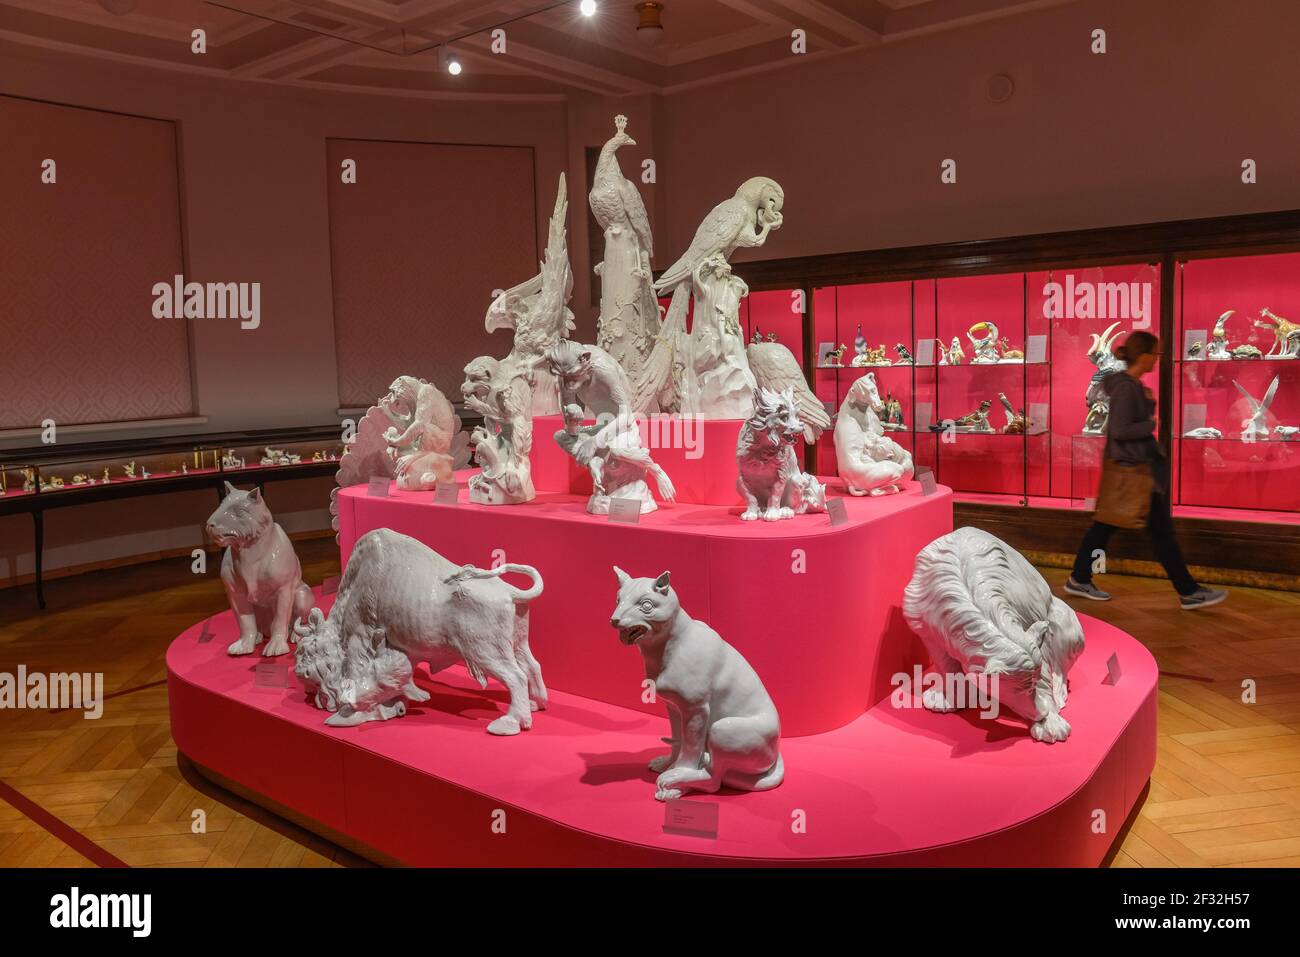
277	455
1236	433
71	473
17	479
991	373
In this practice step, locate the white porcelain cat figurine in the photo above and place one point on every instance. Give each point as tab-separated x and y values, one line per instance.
260	571
725	729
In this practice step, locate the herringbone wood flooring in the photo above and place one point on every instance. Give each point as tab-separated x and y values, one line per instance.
1226	789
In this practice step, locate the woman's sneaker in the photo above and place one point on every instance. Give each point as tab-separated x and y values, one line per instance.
1089	590
1202	598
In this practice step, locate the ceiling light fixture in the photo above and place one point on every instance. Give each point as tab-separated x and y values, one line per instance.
588	8
650	24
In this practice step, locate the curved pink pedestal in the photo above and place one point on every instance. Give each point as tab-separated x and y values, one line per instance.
815	608
900	787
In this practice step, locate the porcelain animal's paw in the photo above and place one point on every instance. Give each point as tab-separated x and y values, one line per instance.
749	515
244	646
276	647
1051	729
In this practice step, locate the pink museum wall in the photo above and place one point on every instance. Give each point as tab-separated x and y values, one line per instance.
1155	129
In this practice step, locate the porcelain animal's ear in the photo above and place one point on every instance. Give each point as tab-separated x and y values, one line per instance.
623	577
255	494
230	489
661	584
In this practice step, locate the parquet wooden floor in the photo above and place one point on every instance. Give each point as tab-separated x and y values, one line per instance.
1225	792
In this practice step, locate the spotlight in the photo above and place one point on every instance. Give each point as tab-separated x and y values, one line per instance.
453	67
588	8
650	25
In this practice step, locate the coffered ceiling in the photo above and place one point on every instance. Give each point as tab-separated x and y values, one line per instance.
401	46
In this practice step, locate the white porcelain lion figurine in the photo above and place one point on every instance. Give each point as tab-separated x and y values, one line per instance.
769	475
401	603
981	609
868	461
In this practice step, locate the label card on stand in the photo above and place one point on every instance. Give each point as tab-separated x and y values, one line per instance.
270	674
447	493
1090	504
378	487
691	818
923	410
625	510
206	634
330	585
926	478
1036	350
824	352
1193	417
836	510
1112	669
1190	338
829	406
925	352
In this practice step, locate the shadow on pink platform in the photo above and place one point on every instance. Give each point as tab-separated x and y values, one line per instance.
898	787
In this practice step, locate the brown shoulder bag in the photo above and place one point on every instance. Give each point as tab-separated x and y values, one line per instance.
1124	499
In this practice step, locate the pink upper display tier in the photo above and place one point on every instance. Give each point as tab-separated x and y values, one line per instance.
699	455
815	608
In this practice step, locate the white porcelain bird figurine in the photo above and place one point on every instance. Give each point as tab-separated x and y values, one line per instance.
1255	427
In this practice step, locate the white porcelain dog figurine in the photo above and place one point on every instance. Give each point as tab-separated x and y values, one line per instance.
725	729
981	608
260	571
401	603
868	462
770	478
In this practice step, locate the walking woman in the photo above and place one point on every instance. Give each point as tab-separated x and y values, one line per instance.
1135	481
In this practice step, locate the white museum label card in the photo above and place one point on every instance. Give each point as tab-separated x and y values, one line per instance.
1036	350
447	493
692	818
270	674
923	410
836	510
925	352
824	352
1090	504
829	406
1112	669
330	585
926	478
206	634
1193	417
1191	337
378	487
625	510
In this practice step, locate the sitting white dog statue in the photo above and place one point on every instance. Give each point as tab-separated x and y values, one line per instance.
982	609
769	478
260	570
401	603
868	461
725	729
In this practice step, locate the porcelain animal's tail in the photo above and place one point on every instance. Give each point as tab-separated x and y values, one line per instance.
518	595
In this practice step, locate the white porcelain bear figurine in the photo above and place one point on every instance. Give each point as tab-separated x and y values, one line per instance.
868	461
260	571
725	729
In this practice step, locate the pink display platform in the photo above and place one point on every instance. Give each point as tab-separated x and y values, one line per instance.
699	454
815	608
900	787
